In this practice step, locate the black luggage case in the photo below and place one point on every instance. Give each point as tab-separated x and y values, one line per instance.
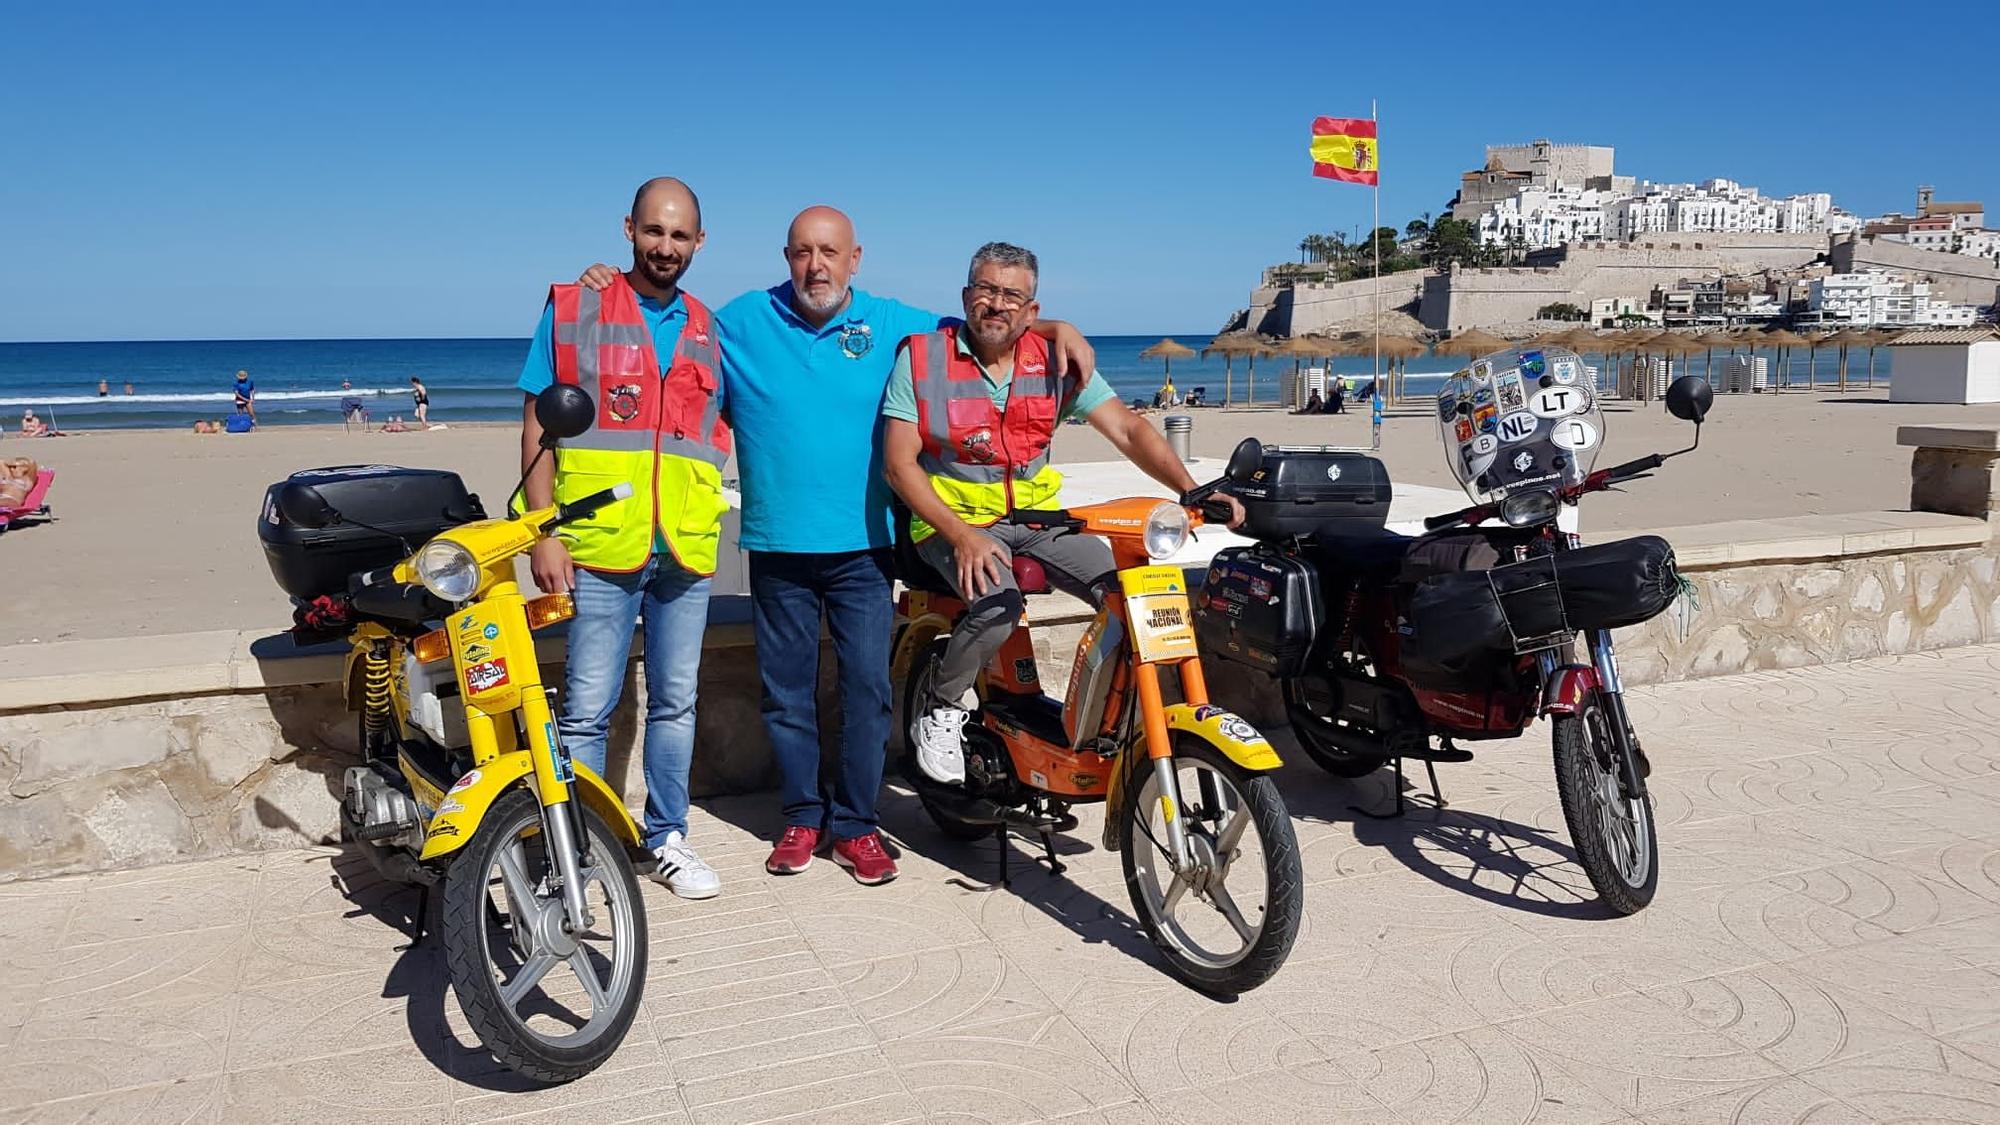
1259	607
402	508
1299	491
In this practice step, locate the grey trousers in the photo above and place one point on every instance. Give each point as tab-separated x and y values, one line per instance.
1076	564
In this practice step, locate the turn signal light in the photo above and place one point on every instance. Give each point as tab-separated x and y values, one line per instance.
431	647
549	609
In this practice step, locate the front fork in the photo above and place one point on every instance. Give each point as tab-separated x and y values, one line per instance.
1611	696
562	813
1160	748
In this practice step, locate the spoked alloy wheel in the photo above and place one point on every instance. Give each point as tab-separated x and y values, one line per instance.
548	1004
1227	922
1613	834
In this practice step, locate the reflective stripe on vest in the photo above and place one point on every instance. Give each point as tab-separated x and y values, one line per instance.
660	431
982	461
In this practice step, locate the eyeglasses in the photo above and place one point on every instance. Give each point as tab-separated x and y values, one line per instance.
999	298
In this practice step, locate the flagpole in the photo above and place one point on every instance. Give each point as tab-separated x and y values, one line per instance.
1375	239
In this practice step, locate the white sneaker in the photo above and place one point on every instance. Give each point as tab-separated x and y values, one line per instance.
683	871
940	743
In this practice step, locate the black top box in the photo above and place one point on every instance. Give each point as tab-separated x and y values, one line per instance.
1306	491
402	508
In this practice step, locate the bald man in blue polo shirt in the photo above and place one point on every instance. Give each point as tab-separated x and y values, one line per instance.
804	365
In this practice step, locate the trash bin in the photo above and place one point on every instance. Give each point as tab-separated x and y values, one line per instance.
1180	436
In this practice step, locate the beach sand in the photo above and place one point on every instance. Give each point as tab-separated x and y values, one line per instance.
156	531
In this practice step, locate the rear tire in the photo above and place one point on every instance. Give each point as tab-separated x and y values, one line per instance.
1147	874
923	672
1615	839
1332	759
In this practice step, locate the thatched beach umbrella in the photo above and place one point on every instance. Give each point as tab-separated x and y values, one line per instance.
1876	338
1229	345
1844	339
1472	342
1713	340
1167	351
1786	339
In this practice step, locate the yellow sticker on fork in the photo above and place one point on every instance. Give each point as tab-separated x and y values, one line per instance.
1167	808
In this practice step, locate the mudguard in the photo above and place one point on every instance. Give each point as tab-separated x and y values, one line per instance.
465	805
1227	733
1568	688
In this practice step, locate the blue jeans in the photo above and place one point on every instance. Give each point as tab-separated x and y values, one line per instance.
672	606
788	595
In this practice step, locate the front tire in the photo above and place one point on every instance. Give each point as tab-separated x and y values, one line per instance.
1614	836
549	1005
1209	937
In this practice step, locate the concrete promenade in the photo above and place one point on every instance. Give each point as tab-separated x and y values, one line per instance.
1825	948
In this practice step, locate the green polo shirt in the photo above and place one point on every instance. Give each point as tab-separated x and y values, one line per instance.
900	400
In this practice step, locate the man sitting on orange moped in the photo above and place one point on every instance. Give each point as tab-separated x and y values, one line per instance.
968	418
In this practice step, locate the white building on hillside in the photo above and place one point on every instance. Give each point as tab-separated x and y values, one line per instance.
1544	216
1980	243
1870	297
1719	206
1934	232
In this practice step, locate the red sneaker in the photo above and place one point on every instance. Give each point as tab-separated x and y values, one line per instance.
863	855
794	852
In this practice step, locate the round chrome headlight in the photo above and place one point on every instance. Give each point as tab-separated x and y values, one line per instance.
448	570
1166	530
1529	509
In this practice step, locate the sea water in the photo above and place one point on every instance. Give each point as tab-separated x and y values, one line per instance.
175	382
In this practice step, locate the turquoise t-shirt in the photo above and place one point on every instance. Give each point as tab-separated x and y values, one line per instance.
804	402
900	400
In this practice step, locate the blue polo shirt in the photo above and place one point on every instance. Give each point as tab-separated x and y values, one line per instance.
805	403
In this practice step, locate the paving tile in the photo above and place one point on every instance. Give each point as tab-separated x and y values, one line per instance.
1917	1082
1344	1005
940	991
1915	981
72	1053
183	1101
1794	1021
219	897
855	1084
1478	1075
192	967
392	1084
1169	1037
317	880
334	1015
303	946
901	917
1639	1053
1890	895
644	1093
1027	1069
1308	1095
1784	1101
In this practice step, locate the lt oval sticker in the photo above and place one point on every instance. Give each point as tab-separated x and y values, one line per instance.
1574	434
1554	402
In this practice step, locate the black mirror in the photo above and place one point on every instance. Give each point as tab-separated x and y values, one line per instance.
564	411
1689	398
302	505
1246	458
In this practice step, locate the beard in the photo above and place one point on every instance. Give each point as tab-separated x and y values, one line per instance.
830	299
990	335
659	272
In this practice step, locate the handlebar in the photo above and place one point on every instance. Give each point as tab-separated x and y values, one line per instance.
1041	517
589	505
1631	469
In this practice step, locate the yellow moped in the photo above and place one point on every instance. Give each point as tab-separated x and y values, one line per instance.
543	927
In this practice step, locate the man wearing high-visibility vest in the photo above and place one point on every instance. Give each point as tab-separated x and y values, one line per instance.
968	418
648	355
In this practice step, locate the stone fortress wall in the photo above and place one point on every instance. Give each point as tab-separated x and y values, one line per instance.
1958	278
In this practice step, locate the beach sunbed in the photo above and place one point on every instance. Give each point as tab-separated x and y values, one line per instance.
34	506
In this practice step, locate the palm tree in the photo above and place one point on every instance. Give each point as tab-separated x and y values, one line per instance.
1306	247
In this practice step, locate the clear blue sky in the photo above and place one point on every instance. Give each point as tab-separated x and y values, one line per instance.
355	169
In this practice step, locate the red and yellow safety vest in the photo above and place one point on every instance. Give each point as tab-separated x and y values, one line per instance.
663	432
982	461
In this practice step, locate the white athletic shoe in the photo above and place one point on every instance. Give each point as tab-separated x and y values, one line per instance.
940	742
683	871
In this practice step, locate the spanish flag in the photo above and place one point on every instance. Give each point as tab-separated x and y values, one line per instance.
1344	148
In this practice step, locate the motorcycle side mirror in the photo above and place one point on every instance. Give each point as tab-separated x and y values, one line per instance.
301	504
1246	458
1690	398
564	411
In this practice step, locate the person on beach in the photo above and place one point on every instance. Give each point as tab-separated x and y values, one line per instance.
128	386
978	449
246	394
647	352
1314	404
32	426
805	363
1338	403
103	388
423	400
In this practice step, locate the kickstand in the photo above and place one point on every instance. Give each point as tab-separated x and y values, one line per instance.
1000	838
423	915
1436	794
1056	866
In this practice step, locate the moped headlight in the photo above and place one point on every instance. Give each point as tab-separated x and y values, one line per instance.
448	570
1166	530
1529	509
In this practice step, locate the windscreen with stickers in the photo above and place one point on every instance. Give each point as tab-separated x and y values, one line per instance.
1520	419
